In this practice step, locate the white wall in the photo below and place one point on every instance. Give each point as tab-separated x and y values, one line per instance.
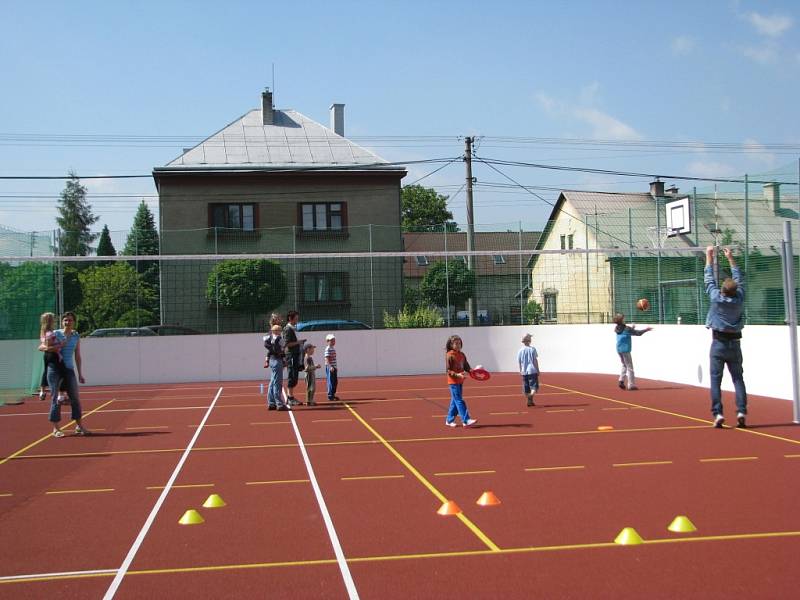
677	353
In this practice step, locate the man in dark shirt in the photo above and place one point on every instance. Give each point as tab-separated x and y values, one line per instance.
293	347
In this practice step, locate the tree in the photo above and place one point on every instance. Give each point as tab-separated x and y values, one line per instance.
104	246
75	219
453	281
143	237
142	240
532	312
422	209
26	291
249	286
111	292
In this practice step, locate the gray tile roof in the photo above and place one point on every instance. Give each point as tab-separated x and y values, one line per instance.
292	141
620	219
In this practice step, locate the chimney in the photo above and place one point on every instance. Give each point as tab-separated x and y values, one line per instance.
672	190
267	112
337	119
657	188
772	194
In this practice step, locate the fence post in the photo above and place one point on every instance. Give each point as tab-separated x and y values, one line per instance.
630	261
586	249
746	241
446	277
371	279
521	281
787	254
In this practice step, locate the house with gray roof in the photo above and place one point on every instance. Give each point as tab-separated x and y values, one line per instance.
275	181
631	254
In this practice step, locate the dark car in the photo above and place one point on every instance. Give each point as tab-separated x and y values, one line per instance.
331	325
122	332
172	330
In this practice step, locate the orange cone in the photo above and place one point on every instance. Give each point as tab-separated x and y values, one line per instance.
449	508
488	499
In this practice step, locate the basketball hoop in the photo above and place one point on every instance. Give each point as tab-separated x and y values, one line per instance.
658	235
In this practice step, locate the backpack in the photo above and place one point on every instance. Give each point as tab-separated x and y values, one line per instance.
273	347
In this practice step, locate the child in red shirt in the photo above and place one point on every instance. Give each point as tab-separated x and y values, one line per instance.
456	365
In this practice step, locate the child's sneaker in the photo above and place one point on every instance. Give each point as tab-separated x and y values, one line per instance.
470	422
740	421
58	433
62	399
42	395
719	421
82	431
530	401
621	384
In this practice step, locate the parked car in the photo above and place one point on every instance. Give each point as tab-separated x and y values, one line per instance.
331	325
172	330
122	332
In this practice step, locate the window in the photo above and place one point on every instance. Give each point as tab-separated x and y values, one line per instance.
323	216
569	241
422	261
550	311
325	288
232	216
563	242
566	242
499	259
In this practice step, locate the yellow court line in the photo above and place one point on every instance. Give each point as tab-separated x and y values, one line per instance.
463	473
516	412
278	481
388	418
615	408
791	456
331	421
149	427
49	435
80	491
728	459
673	414
399	557
643	464
560	410
564	468
462	517
210	425
271	423
184	486
6	495
373	477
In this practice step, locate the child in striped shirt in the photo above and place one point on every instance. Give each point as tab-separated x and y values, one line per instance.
331	370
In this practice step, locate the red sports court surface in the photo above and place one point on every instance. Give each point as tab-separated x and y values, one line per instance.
341	500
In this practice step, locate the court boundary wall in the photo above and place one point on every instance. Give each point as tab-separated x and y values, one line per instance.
674	353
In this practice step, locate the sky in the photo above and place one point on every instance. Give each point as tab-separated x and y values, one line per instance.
681	88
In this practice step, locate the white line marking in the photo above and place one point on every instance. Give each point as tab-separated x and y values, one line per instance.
337	547
61	574
123	569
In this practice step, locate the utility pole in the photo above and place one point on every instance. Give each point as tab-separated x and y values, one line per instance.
471	302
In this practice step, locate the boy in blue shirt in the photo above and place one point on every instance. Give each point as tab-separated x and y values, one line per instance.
624	346
528	361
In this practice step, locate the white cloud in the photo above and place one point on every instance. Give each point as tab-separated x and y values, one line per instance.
756	151
682	45
770	25
605	126
710	169
764	54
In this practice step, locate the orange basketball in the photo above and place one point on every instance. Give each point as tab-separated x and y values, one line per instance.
643	304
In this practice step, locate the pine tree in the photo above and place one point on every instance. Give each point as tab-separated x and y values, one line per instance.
104	246
75	219
143	237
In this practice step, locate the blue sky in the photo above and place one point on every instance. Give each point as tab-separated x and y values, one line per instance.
701	72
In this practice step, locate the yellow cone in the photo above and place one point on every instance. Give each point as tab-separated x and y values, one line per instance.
628	537
682	524
191	517
449	508
488	499
214	501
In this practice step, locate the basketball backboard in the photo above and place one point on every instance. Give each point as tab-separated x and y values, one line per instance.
678	217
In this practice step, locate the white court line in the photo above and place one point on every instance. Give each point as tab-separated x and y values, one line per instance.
123	569
337	547
54	575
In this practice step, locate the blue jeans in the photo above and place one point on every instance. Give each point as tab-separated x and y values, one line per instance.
333	380
275	392
727	352
70	384
457	404
530	383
